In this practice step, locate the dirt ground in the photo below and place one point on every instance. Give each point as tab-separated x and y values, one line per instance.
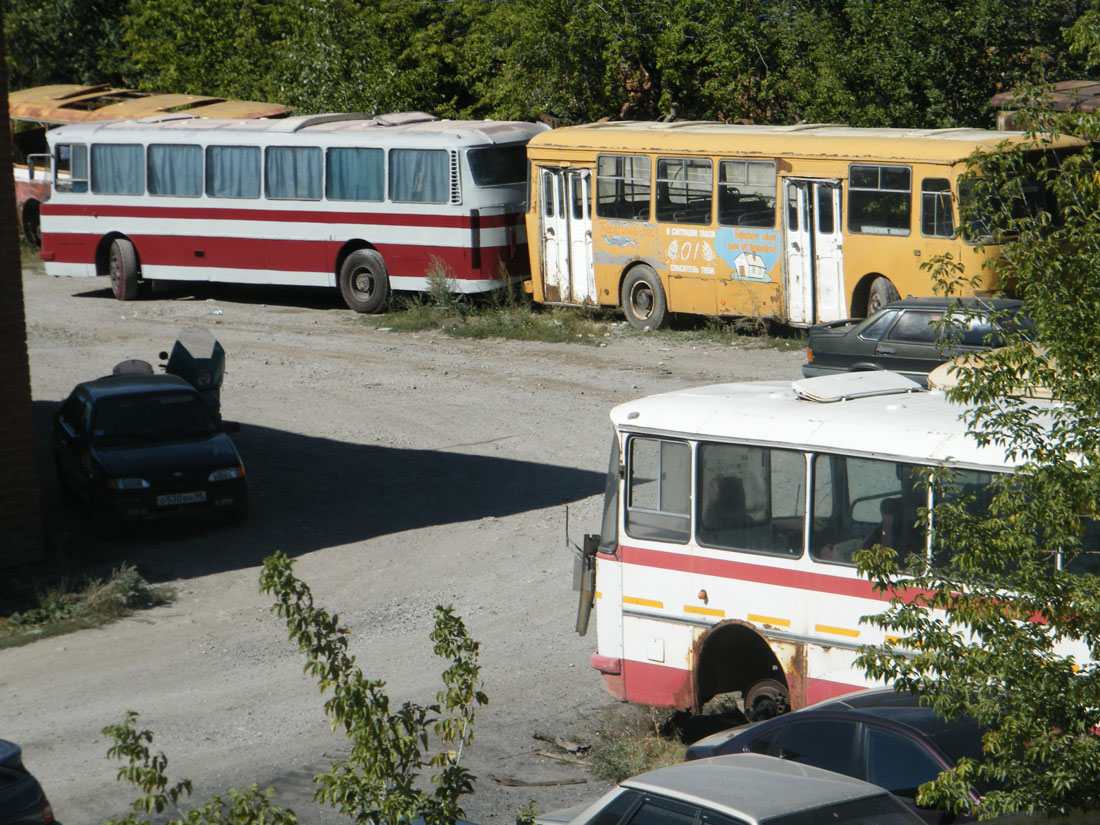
401	471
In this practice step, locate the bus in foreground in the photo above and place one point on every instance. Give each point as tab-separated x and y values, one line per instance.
365	204
732	512
800	224
34	111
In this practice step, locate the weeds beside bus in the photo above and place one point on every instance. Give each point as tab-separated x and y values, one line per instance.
363	204
724	566
800	224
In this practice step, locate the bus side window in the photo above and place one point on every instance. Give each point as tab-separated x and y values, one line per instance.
622	187
746	193
70	167
879	199
751	498
861	502
233	171
118	168
684	187
420	175
936	219
659	488
293	173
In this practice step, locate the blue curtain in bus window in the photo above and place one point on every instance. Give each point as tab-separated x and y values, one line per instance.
175	170
354	175
233	171
420	175
117	169
294	172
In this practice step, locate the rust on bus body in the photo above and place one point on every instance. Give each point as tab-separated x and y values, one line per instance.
70	103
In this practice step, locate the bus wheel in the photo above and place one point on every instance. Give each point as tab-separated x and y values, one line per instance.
765	699
882	293
32	228
643	299
124	268
363	281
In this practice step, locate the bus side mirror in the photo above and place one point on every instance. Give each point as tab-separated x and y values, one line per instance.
584	579
34	161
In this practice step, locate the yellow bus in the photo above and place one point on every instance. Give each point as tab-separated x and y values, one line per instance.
800	224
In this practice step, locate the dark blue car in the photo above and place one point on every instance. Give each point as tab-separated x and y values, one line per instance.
880	736
22	801
137	447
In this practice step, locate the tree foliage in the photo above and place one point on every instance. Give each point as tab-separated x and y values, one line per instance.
378	783
917	63
1004	625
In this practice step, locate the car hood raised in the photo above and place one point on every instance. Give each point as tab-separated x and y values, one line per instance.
160	457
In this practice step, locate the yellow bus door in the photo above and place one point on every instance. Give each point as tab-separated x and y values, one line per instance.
566	219
813	277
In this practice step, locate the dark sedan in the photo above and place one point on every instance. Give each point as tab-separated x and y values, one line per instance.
879	736
22	801
904	337
134	447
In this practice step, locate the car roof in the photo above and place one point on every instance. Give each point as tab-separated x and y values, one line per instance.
940	302
114	385
8	750
751	786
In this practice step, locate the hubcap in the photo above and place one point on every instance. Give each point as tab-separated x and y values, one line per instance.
364	282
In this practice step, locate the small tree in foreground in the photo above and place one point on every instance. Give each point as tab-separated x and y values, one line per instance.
1003	623
379	783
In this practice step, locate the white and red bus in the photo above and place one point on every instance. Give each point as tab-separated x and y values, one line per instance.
366	204
724	563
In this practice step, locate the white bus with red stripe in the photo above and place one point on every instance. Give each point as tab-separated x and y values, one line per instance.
724	563
366	204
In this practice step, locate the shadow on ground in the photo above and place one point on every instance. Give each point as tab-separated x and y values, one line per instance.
309	493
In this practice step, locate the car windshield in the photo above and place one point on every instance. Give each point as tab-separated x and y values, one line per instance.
875	810
153	417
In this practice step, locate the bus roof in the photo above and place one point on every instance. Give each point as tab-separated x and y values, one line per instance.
70	103
895	419
805	140
404	127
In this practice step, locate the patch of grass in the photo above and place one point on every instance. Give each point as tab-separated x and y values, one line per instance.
37	611
632	745
502	313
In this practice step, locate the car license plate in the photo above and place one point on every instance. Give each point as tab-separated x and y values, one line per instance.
173	499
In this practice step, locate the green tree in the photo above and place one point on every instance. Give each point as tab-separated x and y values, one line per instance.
1005	624
146	771
64	41
378	782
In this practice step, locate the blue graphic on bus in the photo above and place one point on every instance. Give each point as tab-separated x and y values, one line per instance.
751	254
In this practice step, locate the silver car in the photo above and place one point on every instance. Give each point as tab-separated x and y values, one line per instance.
740	789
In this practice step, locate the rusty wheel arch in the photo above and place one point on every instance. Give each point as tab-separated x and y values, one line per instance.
733	656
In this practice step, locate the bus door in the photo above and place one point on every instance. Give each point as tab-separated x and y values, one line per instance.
814	262
566	218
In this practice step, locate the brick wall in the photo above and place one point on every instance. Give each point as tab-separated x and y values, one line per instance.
21	537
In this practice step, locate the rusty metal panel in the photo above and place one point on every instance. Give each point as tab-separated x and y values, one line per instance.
66	103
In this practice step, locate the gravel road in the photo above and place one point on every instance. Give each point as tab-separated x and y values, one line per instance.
401	471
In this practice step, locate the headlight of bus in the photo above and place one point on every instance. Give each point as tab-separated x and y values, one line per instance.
127	484
227	474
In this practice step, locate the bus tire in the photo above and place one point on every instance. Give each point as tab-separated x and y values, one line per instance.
882	292
364	283
32	227
124	270
643	299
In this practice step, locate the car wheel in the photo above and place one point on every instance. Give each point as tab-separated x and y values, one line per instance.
364	283
882	292
124	269
643	299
